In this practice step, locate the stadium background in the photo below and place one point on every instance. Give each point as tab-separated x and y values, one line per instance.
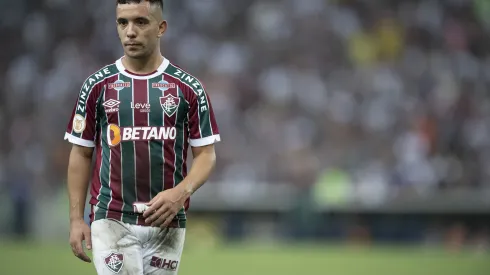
356	134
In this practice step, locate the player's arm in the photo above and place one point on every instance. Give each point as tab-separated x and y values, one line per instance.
202	166
78	181
81	133
203	133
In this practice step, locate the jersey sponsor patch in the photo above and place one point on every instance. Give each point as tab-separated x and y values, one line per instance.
163	85
119	85
111	105
114	262
166	264
79	123
169	104
142	107
116	134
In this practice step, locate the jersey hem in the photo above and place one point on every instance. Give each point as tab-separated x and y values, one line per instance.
79	141
205	141
178	222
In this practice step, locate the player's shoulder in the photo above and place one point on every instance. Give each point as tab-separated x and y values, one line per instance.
107	70
100	76
184	79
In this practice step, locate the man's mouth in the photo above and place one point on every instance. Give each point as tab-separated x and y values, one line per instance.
132	44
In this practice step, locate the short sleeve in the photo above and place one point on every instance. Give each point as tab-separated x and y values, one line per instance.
203	129
81	129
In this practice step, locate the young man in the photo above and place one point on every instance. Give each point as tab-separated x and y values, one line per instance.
141	114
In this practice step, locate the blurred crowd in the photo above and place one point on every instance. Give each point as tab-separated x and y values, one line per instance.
384	93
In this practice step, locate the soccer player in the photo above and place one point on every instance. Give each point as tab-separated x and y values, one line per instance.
140	114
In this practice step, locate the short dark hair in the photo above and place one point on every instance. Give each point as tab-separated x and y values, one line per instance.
152	2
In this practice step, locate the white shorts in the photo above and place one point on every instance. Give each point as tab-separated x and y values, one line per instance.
126	249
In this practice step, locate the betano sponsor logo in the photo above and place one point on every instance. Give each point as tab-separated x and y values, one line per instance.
88	85
116	134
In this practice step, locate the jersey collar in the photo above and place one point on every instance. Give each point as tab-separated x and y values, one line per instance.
158	72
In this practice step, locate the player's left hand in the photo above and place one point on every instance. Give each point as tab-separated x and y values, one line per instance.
164	206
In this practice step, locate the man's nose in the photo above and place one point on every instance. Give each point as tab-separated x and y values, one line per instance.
131	31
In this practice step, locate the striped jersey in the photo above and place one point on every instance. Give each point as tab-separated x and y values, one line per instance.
141	127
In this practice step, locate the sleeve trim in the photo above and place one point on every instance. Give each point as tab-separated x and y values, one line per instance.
205	141
79	141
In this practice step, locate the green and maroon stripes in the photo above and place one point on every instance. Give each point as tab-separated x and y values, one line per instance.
116	203
180	148
169	148
200	119
128	162
135	170
97	180
180	142
142	152
174	150
156	146
104	194
212	118
109	174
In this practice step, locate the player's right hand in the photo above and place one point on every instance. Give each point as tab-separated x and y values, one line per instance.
79	232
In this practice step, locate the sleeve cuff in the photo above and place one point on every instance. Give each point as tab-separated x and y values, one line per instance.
205	141
79	141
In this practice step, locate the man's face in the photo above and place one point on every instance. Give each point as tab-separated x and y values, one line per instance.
140	27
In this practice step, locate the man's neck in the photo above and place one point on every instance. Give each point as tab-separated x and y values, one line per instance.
143	65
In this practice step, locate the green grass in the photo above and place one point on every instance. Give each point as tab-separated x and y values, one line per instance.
23	259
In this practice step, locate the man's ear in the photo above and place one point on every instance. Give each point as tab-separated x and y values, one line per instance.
162	28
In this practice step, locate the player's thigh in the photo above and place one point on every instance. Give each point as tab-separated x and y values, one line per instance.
162	254
115	249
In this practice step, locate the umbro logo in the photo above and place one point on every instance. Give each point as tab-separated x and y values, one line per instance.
111	105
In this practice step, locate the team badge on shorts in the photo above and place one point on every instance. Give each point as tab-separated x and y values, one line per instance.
169	104
114	262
